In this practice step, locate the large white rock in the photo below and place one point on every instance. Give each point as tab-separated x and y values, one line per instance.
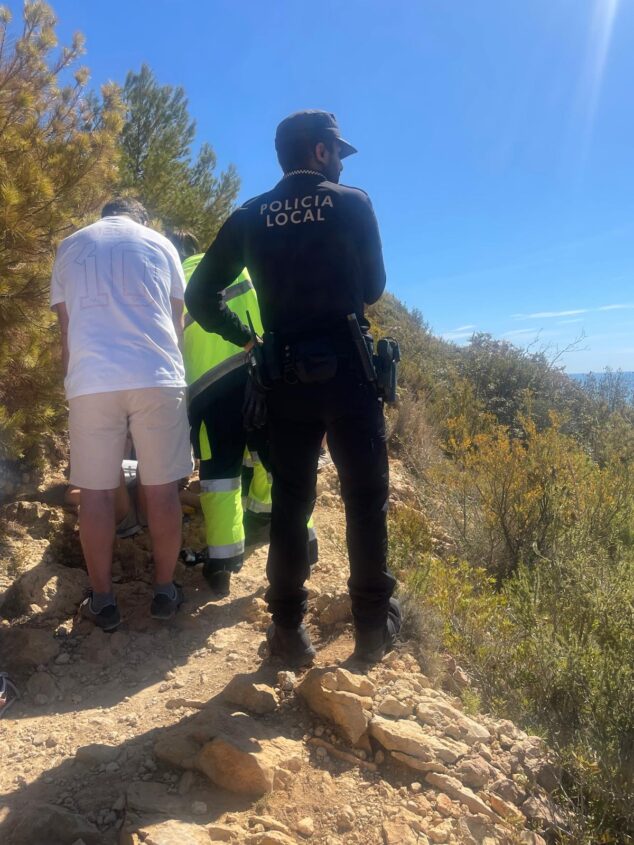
244	757
456	791
341	697
409	738
234	750
434	710
342	679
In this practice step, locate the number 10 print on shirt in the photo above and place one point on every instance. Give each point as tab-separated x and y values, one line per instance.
129	271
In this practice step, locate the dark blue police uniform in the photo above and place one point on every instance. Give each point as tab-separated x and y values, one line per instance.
313	250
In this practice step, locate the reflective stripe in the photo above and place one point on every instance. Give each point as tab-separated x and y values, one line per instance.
237	290
250	459
220	485
214	374
223	552
312	534
227	295
258	507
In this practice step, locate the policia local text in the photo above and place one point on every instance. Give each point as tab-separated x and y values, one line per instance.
296	210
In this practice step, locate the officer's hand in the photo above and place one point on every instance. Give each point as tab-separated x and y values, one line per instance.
249	346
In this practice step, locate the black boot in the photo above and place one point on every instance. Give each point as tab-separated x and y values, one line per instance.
372	644
219	580
292	645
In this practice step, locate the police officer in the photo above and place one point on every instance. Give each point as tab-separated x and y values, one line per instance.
216	374
314	253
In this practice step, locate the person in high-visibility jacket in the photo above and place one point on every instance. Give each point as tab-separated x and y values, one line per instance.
216	375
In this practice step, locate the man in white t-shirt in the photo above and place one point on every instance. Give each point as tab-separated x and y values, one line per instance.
117	288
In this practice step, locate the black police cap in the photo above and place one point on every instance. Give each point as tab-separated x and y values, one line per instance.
314	125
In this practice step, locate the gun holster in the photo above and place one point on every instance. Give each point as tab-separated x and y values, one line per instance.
387	356
257	367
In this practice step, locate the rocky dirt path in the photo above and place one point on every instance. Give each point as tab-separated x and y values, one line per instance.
187	733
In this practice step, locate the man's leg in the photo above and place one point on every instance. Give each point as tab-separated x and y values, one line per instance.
122	501
294	450
222	444
358	448
96	533
257	512
164	522
259	502
259	496
98	425
160	432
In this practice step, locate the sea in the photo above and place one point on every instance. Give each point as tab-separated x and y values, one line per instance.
626	378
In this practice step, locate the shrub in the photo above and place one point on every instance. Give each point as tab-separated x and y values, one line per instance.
554	650
511	501
57	161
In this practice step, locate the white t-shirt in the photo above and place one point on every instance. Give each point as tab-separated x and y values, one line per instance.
116	278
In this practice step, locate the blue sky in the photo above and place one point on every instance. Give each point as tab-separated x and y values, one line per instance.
495	138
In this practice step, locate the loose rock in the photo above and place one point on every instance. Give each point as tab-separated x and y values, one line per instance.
306	827
256	698
324	694
244	757
410	738
454	789
174	833
96	754
391	706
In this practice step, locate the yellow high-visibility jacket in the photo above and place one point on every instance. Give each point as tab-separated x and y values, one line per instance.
206	355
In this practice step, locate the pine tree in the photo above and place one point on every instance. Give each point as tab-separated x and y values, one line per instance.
58	162
157	165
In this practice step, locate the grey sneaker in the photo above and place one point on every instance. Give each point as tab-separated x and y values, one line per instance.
108	618
163	607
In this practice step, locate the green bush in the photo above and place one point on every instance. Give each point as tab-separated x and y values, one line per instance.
510	500
552	649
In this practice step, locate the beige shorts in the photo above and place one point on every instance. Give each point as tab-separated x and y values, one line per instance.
156	418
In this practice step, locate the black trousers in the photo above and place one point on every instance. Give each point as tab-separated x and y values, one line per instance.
348	410
219	408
